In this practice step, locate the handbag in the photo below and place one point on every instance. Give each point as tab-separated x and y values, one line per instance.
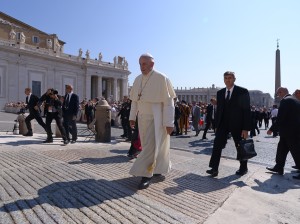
246	149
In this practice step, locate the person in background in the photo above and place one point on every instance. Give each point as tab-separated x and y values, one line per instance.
70	111
210	117
196	114
185	112
34	112
124	115
296	94
274	113
89	111
52	102
288	124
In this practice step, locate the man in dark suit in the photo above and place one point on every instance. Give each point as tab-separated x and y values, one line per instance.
288	124
196	115
54	111
210	116
233	115
70	111
34	111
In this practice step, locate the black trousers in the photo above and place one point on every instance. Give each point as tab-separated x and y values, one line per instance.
58	120
209	123
285	145
220	143
37	117
70	127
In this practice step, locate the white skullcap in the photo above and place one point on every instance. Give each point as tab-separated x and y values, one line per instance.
147	55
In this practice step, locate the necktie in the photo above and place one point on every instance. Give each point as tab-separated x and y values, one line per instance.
228	96
67	100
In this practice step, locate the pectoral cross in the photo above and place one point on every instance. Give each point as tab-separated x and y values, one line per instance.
140	94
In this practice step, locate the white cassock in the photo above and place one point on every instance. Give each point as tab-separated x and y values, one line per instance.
152	99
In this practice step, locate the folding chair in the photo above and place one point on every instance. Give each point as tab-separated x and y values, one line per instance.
91	131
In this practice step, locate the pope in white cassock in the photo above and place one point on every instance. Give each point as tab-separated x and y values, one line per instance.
152	97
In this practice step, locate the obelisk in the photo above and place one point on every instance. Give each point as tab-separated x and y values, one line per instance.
277	74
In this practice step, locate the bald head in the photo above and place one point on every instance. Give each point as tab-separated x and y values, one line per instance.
69	88
281	92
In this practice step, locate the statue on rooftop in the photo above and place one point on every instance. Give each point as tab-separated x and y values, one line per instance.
12	34
22	38
87	54
80	53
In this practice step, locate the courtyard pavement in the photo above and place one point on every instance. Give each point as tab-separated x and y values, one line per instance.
88	182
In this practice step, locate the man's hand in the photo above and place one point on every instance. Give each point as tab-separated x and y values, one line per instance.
132	124
244	134
269	132
169	130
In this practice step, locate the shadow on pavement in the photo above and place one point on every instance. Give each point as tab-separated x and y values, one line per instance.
75	194
24	142
202	184
119	151
276	184
106	160
201	143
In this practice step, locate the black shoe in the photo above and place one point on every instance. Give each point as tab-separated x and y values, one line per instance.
297	177
204	138
48	141
73	141
296	167
123	136
28	134
66	142
213	172
157	175
275	170
145	183
241	172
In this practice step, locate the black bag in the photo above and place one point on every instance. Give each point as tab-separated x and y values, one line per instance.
246	149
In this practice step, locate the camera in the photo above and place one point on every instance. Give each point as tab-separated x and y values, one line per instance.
54	91
22	111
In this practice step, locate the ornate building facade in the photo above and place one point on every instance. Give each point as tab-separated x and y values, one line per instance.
31	58
197	94
257	98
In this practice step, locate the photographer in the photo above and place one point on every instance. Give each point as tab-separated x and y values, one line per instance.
53	110
34	111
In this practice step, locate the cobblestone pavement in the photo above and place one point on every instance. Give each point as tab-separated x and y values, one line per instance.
88	182
265	145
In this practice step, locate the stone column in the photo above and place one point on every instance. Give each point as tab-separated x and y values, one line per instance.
99	86
115	89
124	87
109	84
88	86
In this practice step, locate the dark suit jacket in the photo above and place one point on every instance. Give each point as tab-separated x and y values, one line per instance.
288	117
73	107
209	112
238	109
33	101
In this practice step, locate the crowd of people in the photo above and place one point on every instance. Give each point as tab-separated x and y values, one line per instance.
152	113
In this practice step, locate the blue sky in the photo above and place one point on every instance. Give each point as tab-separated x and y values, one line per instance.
193	41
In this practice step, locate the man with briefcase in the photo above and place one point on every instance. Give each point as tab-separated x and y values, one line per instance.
232	116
